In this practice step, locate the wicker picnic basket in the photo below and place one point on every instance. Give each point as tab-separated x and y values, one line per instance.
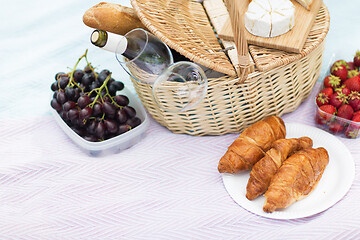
277	81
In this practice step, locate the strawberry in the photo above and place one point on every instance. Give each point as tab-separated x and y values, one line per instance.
353	129
339	70
341	62
322	99
357	59
356	118
343	89
319	120
356	113
351	66
353	73
336	127
327	91
338	99
326	112
353	83
354	100
332	81
345	111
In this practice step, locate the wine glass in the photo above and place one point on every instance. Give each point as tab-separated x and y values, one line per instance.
180	87
176	87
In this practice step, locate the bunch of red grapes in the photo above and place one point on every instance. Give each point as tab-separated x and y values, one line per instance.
86	100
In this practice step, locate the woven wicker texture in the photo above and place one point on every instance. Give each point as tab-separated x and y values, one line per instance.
228	106
218	15
184	26
241	44
267	58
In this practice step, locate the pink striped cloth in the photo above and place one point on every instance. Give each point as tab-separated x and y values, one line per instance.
165	187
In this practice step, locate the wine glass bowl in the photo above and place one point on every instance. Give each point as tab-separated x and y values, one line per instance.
182	86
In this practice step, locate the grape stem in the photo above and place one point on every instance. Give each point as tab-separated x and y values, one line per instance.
72	81
89	64
102	117
98	93
97	90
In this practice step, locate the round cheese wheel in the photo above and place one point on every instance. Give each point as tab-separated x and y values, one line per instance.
269	18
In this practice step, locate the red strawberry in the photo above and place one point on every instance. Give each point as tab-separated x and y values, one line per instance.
326	112
322	99
354	100
356	113
352	132
345	111
319	120
356	118
353	83
351	66
327	91
354	128
338	99
341	62
353	73
336	127
357	59
343	89
332	81
339	70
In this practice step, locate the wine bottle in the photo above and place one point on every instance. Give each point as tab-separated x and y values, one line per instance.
109	41
140	48
149	60
128	47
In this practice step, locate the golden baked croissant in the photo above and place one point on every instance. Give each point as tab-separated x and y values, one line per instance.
251	145
265	168
296	178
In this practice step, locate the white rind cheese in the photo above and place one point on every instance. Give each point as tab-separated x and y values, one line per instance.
269	18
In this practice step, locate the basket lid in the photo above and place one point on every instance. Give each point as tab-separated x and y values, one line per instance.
184	26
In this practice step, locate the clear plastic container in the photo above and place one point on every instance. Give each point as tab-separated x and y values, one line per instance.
331	123
115	144
336	125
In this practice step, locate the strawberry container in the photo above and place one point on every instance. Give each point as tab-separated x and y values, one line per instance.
337	100
115	144
336	125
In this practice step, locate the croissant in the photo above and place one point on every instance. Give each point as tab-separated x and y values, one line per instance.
265	168
296	178
251	145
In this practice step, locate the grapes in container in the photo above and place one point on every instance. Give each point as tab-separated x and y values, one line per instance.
96	111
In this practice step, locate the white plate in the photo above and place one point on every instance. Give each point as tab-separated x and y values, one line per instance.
334	184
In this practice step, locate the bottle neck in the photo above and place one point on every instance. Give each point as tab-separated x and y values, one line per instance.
109	41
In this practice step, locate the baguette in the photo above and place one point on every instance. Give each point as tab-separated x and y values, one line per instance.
112	17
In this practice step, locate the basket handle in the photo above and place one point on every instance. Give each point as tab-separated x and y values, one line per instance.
238	28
